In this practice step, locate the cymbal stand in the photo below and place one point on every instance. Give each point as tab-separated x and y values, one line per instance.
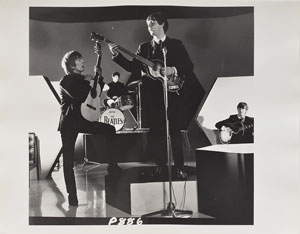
139	109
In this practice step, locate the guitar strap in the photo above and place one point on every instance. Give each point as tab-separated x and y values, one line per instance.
67	92
101	83
243	128
71	107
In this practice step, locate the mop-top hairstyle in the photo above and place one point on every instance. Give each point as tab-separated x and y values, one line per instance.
69	60
242	105
116	74
160	18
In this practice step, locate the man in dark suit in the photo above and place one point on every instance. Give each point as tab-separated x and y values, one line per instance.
74	89
178	64
238	127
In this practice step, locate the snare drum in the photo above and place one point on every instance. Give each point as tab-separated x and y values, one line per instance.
113	117
125	102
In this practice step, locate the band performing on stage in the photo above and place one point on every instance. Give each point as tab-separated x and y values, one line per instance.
83	113
162	63
140	136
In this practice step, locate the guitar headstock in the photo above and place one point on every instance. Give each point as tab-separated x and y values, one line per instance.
97	37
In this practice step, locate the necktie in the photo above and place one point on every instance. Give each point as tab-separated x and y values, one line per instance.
157	47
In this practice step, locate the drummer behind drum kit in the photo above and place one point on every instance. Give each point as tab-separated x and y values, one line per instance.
118	112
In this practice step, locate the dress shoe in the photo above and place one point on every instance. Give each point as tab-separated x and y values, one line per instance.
114	169
180	174
73	201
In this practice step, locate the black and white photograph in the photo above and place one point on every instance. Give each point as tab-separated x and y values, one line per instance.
143	116
132	124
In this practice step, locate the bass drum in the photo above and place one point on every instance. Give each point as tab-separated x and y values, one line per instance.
113	117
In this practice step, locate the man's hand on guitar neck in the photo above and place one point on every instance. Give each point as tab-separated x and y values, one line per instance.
113	49
98	70
98	49
88	77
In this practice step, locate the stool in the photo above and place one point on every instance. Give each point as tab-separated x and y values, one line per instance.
34	156
85	159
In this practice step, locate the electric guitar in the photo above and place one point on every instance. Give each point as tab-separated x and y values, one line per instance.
90	108
233	128
153	68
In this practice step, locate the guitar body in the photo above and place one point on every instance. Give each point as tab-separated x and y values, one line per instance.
237	128
225	136
174	83
90	109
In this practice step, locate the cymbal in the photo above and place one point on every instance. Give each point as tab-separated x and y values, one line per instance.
131	91
133	84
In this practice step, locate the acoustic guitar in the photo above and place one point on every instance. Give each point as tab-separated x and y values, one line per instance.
90	108
153	67
233	128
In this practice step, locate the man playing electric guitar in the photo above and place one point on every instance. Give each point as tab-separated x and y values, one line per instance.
237	128
178	64
74	89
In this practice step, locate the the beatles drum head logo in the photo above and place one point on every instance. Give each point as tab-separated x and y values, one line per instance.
113	117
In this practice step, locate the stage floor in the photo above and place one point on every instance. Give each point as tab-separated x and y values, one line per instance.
48	197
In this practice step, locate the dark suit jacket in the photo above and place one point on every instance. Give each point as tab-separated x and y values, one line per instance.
177	56
241	137
152	91
73	90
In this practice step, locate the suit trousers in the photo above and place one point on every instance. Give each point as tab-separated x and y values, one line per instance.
69	135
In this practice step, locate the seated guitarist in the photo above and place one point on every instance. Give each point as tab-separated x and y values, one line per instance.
74	89
240	126
178	64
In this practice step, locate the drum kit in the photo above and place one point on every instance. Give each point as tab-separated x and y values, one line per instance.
114	112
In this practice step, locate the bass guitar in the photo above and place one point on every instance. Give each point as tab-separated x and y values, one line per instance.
153	67
233	128
90	108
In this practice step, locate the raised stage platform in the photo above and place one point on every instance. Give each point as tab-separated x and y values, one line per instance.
225	182
137	193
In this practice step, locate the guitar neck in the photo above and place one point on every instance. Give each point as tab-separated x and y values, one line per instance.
133	55
98	61
245	127
98	75
248	126
239	126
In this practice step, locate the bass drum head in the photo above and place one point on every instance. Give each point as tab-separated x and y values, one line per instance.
113	117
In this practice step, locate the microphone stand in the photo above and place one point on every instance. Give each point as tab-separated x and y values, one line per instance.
171	211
